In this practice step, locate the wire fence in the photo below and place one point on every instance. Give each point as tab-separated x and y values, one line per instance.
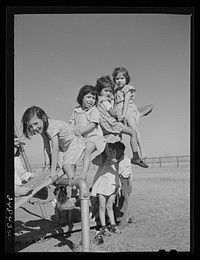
153	162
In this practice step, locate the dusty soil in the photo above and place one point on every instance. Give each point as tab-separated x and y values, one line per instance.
160	205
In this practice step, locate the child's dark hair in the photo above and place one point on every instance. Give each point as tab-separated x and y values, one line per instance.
104	82
84	91
120	149
124	73
112	146
30	113
120	146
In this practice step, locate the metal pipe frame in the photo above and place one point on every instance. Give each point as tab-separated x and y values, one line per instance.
84	198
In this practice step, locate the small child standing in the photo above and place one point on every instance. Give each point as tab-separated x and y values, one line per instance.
106	186
125	173
124	98
110	121
85	120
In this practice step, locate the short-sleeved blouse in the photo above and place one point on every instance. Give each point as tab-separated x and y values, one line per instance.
64	131
119	97
71	144
83	117
108	123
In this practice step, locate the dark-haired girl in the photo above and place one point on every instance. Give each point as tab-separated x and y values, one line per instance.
111	122
85	120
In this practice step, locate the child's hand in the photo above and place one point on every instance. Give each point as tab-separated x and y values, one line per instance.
54	176
77	129
18	141
125	121
120	118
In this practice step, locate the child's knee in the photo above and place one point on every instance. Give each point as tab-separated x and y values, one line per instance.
69	170
102	208
109	207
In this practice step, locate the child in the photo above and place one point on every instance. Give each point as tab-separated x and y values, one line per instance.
124	96
125	173
85	120
21	175
106	186
62	144
110	121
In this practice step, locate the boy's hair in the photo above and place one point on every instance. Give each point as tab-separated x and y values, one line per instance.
120	146
28	115
84	91
112	146
124	73
104	82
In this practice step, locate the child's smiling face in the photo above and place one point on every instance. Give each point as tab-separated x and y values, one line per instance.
36	125
88	101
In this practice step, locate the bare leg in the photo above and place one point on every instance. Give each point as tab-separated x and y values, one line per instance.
90	148
133	143
132	125
109	207
133	137
102	209
68	169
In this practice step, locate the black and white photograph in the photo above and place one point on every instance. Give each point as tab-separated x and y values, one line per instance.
102	130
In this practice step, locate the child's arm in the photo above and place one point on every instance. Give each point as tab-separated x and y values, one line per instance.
85	129
126	102
46	151
54	157
112	113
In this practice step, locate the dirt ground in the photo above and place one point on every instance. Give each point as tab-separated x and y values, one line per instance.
159	203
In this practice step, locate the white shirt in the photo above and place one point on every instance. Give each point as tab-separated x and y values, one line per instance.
125	167
20	173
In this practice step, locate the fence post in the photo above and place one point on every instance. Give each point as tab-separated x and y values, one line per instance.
160	162
177	161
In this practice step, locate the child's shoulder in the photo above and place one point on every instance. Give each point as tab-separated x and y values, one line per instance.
78	108
127	88
57	124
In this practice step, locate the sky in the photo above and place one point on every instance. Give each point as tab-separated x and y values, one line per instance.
56	54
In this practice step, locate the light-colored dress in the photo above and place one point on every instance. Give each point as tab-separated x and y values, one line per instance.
20	173
71	144
119	97
82	118
106	180
108	123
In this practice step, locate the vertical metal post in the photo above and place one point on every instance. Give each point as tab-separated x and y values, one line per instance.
177	161
28	167
84	198
160	162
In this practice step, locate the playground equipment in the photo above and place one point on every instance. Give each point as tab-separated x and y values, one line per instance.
43	180
28	167
84	199
145	110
